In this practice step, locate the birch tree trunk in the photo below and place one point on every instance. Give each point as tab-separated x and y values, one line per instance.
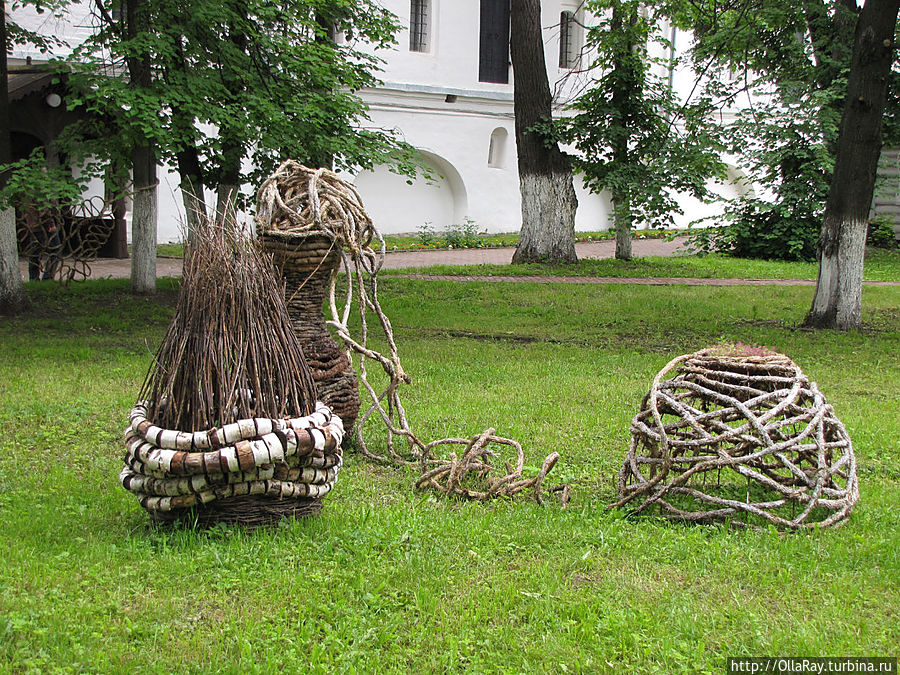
545	175
838	299
12	293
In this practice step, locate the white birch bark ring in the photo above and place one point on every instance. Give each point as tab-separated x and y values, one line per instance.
289	458
739	434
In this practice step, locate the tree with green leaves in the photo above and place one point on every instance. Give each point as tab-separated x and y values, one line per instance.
787	64
17	177
841	248
633	136
236	86
824	101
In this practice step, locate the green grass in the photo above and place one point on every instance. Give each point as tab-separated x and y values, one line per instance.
880	265
170	250
413	242
391	580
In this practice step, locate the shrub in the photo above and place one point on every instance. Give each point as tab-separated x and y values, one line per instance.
881	234
774	233
426	234
466	235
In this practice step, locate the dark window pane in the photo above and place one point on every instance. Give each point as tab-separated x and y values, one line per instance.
493	61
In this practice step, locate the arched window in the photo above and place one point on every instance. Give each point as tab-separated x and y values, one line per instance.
497	148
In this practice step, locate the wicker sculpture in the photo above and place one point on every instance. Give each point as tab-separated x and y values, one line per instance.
229	428
304	219
739	434
309	218
75	244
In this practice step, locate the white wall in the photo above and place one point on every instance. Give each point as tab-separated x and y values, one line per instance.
437	104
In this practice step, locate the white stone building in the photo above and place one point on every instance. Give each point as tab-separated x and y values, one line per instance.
447	90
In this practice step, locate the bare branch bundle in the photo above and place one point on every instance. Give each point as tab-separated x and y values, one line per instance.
739	434
230	352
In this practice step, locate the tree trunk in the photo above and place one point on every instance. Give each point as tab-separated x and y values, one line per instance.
143	218
192	194
626	90
12	293
623	222
841	248
229	179
545	175
226	209
143	221
189	169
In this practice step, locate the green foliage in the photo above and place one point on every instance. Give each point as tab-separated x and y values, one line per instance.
245	84
19	35
763	231
466	235
790	61
426	234
31	181
881	234
633	136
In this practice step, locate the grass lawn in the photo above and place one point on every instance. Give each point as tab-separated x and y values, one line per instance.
391	580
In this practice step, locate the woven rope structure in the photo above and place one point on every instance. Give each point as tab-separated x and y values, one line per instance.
297	203
228	428
739	434
79	240
480	462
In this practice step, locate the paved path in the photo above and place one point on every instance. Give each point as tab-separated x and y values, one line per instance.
171	267
645	281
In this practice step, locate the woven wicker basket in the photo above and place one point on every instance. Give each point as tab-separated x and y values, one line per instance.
252	472
306	264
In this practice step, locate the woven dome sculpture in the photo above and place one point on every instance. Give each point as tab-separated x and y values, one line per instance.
228	428
739	434
305	217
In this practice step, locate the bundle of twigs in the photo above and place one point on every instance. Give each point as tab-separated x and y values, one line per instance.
318	203
230	352
740	434
229	429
